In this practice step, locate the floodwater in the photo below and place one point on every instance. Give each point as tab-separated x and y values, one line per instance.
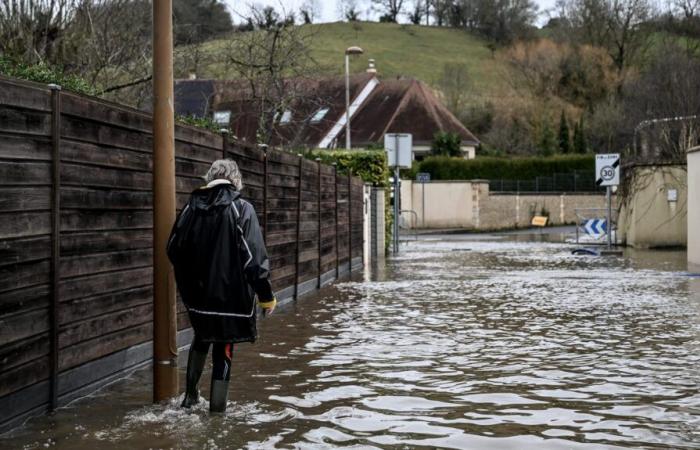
494	342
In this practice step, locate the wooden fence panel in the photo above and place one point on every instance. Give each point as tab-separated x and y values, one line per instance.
76	232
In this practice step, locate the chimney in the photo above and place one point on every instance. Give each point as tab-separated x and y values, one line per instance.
370	67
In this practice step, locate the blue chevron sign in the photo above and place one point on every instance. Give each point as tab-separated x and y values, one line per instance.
595	227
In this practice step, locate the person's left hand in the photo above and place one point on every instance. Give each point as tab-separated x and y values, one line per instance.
268	307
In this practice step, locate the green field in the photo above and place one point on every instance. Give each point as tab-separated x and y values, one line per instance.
409	50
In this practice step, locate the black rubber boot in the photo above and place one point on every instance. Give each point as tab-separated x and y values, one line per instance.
195	367
219	395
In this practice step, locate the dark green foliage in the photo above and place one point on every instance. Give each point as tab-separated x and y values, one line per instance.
199	20
370	165
446	144
43	73
547	143
580	145
564	137
492	168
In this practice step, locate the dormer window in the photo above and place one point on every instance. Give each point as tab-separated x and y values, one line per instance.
286	116
319	115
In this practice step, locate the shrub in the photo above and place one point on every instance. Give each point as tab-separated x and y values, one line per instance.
494	168
446	144
43	73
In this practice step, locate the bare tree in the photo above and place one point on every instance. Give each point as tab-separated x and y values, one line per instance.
348	10
391	8
274	66
34	31
455	85
616	25
309	10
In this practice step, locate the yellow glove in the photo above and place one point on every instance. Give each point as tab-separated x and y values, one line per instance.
268	306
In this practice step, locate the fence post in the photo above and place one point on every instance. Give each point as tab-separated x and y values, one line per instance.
264	205
296	261
55	238
318	162
224	143
337	250
350	220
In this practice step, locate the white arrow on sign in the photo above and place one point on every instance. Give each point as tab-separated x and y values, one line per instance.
595	227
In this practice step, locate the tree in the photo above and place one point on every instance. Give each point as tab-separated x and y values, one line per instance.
580	145
348	10
416	16
547	141
274	67
440	11
616	25
564	137
199	20
446	144
455	84
309	11
391	8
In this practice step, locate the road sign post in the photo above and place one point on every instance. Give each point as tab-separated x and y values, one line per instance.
399	148
422	178
607	169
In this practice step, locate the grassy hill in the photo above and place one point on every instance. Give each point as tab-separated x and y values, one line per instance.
410	50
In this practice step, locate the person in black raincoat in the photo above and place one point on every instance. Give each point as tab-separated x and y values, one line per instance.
221	265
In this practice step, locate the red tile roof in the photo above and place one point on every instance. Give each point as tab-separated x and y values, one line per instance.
394	105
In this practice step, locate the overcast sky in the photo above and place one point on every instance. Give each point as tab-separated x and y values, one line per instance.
329	11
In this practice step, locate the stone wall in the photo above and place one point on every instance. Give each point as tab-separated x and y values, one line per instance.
470	205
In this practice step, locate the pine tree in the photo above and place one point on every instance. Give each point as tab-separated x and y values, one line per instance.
547	141
580	145
564	137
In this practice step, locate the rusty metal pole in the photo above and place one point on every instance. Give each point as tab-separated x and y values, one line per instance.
165	378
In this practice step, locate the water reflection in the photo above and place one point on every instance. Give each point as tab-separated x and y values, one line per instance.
483	344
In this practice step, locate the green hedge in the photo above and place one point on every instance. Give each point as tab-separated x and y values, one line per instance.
494	168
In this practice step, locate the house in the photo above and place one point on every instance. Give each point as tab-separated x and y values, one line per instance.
313	115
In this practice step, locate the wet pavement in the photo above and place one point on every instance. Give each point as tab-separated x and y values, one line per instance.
487	342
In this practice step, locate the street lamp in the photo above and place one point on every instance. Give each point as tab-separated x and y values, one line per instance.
354	50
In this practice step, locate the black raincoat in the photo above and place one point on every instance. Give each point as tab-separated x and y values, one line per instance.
220	262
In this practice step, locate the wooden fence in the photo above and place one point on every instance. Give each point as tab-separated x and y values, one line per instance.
76	236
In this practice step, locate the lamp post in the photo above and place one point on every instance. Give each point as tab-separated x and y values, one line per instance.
354	50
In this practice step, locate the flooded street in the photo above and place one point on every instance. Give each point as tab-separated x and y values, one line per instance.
505	342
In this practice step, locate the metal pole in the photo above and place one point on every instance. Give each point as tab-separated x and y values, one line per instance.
318	162
396	207
55	239
296	260
608	194
350	220
165	376
347	101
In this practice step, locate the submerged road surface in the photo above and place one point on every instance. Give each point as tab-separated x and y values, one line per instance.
483	344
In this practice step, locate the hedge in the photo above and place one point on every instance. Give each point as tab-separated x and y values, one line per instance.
494	168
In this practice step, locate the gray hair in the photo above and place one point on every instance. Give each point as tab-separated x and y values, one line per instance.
225	169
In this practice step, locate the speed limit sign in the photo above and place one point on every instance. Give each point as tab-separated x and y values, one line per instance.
607	169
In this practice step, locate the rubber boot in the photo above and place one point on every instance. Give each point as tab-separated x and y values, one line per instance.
219	395
195	367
